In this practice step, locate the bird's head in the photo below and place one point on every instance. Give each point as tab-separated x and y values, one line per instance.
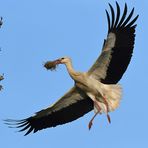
51	65
64	60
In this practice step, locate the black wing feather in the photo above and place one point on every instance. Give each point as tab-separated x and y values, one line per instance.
123	49
65	115
108	19
118	14
132	22
123	16
128	19
113	15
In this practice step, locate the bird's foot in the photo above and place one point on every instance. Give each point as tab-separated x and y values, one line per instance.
91	121
108	118
90	124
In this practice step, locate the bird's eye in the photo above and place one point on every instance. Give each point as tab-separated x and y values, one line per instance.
62	58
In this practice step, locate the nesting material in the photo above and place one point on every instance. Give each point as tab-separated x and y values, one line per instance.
50	65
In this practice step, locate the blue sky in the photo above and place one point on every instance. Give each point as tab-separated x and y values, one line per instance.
36	31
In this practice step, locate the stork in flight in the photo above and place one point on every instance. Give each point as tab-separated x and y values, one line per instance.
96	89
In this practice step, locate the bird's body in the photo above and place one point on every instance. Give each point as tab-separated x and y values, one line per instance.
95	89
106	98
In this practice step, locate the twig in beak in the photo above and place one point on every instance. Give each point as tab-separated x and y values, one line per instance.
51	65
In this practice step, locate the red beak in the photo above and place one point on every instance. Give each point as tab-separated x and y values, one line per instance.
58	61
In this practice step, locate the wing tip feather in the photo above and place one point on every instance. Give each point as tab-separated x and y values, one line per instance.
116	23
24	124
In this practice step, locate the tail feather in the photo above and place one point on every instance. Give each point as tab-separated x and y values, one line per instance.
113	95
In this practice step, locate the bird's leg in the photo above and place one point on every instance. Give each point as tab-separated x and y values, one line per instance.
98	111
107	107
91	121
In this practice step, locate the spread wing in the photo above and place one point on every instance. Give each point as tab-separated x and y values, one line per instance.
71	106
117	49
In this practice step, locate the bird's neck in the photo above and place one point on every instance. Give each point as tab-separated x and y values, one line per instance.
71	71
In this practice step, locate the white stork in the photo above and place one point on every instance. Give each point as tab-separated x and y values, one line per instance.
96	89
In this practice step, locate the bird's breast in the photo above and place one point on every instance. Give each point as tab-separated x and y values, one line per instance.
89	86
